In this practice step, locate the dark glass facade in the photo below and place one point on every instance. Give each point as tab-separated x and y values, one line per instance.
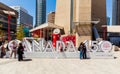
24	18
108	21
40	12
116	12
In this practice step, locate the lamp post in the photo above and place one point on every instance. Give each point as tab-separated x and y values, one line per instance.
71	16
9	17
9	13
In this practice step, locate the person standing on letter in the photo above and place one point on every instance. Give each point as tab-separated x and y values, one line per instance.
84	52
20	52
14	47
81	50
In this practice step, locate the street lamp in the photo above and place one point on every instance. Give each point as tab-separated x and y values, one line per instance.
9	13
72	15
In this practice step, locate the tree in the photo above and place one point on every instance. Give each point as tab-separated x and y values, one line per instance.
1	32
20	32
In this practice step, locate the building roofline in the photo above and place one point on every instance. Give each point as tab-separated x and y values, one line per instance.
21	8
5	7
51	12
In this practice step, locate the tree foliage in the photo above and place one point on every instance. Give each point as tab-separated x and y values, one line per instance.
20	32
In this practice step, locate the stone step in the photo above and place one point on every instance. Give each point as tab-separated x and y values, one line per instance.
53	55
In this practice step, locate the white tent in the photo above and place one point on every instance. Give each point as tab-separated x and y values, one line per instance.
46	25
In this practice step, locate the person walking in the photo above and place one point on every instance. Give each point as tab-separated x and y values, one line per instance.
14	47
20	52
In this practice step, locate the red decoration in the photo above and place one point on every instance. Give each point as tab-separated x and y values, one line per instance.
72	38
9	18
55	38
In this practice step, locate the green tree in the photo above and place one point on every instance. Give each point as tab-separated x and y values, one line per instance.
20	32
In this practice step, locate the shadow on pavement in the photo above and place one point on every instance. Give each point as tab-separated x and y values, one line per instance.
27	59
115	57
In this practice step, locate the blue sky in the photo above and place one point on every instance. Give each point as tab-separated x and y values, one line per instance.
30	5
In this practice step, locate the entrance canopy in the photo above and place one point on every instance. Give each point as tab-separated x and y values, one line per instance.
86	22
46	25
114	29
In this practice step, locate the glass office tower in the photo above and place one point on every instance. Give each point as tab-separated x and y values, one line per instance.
40	12
24	17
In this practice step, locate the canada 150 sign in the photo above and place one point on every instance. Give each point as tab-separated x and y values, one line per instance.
102	49
44	46
102	46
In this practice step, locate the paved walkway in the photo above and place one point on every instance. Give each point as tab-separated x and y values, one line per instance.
61	66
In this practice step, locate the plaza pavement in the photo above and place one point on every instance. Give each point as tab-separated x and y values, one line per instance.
61	66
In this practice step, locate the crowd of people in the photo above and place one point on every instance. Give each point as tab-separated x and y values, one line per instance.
16	49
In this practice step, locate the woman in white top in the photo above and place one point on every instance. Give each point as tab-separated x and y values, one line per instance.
13	47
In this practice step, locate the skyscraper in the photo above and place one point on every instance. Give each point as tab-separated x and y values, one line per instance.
116	12
40	12
24	17
108	21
